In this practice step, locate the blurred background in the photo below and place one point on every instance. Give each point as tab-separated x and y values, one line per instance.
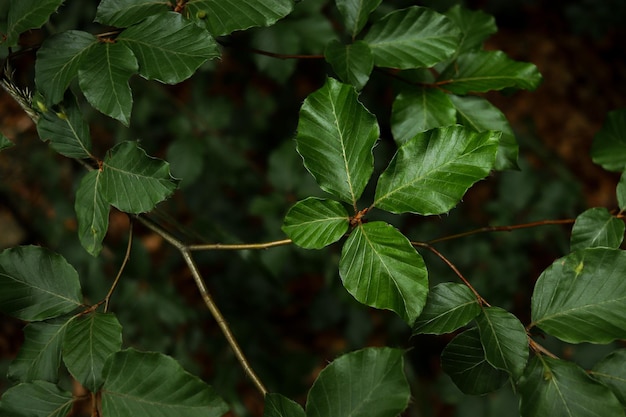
228	131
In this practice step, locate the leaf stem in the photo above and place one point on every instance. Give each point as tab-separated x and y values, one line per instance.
540	349
238	246
273	54
124	262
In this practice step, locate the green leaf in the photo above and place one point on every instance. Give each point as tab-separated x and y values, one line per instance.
40	355
597	227
149	383
480	115
621	192
92	212
277	405
353	63
416	110
611	371
556	388
475	25
88	342
484	71
381	269
66	130
336	135
5	143
123	13
463	359
314	223
376	386
355	13
37	284
103	76
134	182
36	399
609	145
169	48
449	306
504	340
580	297
414	37
58	61
222	17
430	173
25	15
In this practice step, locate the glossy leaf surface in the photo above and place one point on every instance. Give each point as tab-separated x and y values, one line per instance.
431	172
609	145
355	13
381	269
596	227
92	212
611	371
314	223
353	63
476	26
277	405
25	15
36	399
123	13
449	306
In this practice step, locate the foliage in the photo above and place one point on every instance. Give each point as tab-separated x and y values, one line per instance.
446	138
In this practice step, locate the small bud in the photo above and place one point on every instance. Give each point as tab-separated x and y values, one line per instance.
41	106
201	14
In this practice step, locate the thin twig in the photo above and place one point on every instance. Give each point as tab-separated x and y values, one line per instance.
273	54
540	349
119	273
238	246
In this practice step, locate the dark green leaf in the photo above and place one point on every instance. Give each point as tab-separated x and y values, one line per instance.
134	182
92	212
609	145
449	306
611	371
430	173
36	399
412	38
314	223
27	14
476	26
169	48
376	386
336	135
556	388
58	61
353	63
147	383
123	13
88	342
103	76
580	297
621	192
40	355
278	406
381	269
417	110
37	284
464	360
504	340
596	227
5	143
355	13
484	71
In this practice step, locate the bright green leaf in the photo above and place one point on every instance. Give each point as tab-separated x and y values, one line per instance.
355	13
449	306
353	63
123	13
5	143
58	61
277	405
36	399
580	297
463	359
103	76
336	135
37	284
169	48
412	38
480	115
484	71
223	17
134	182
92	212
611	371
609	145
381	269
25	15
376	386
314	223
597	227
504	340
475	25
417	110
88	342
556	388
39	357
430	173
621	192
149	383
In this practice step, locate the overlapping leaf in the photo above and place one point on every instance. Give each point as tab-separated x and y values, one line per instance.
353	63
123	13
580	297
36	399
147	383
380	268
92	212
25	15
611	371
430	173
475	25
449	306
335	138
37	284
277	405
355	13
314	223
609	145
597	227
412	38
377	386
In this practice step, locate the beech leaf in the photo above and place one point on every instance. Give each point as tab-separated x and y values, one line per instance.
92	212
611	371
277	405
314	223
449	306
27	14
355	13
36	399
597	227
353	63
609	145
124	13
